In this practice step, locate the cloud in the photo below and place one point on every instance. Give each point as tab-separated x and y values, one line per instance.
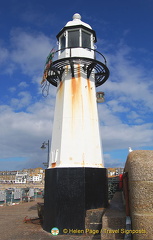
12	89
125	117
23	85
27	119
29	50
23	99
129	81
122	136
22	133
111	161
116	106
3	54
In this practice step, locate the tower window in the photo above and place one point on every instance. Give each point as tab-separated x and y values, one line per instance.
73	38
63	41
86	40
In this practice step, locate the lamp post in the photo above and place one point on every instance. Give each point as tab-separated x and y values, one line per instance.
44	144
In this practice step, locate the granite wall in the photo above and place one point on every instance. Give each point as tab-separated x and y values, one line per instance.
139	166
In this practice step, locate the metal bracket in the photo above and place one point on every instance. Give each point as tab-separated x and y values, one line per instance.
72	67
90	68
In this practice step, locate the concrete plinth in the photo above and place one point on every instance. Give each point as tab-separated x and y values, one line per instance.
69	193
139	166
94	220
114	219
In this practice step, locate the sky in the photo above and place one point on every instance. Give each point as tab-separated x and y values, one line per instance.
28	32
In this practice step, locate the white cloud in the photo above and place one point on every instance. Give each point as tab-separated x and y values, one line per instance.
25	124
3	55
29	50
116	106
107	117
125	114
22	133
23	100
23	85
110	161
12	89
129	81
122	136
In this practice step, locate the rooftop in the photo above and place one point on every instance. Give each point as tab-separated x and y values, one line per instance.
77	21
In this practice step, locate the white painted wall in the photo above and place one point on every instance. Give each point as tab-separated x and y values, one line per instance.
76	138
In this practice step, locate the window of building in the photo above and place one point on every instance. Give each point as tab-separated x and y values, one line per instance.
86	40
63	42
73	38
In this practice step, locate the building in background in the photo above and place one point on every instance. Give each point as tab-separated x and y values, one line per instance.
112	172
35	175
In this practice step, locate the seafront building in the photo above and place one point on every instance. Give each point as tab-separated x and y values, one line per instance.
35	175
112	172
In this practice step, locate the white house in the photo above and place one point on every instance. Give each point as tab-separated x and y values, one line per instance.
21	178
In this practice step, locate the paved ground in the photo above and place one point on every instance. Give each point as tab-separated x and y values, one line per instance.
13	227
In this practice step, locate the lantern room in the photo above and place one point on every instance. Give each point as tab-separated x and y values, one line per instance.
76	46
76	39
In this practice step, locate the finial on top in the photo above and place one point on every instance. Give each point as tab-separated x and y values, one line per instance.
76	16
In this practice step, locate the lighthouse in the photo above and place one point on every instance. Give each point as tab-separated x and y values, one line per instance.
76	179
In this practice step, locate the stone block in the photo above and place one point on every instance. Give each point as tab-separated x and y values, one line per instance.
114	219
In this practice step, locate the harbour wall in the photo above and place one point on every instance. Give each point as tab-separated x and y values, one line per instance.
139	168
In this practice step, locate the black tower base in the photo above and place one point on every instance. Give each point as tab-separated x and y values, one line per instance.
69	192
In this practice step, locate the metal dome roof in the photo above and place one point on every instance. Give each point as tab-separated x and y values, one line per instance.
77	21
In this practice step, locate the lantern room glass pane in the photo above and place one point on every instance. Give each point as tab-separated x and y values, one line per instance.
86	40
63	42
73	38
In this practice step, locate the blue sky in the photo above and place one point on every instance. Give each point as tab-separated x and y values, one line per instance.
28	32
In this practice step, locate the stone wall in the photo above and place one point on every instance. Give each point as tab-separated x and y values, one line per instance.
139	166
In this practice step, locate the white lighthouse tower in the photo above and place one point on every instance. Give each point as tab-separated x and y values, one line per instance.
76	178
